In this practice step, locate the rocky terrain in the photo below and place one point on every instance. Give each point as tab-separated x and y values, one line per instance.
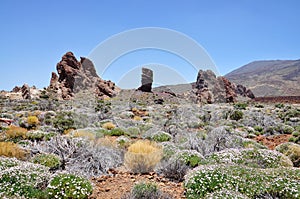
206	140
269	78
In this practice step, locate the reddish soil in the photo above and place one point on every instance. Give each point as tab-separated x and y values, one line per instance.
272	141
118	183
278	99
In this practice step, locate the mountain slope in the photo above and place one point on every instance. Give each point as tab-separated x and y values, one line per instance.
269	78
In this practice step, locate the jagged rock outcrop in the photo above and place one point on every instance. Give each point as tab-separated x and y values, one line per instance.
147	80
25	92
75	76
209	89
243	91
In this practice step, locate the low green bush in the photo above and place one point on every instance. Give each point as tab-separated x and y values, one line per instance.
49	160
69	186
251	182
256	158
20	179
236	115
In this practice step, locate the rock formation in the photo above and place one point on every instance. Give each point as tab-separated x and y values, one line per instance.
209	89
74	76
25	92
147	80
243	91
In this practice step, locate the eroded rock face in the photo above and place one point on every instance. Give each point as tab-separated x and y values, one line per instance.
75	76
147	80
243	91
25	92
209	89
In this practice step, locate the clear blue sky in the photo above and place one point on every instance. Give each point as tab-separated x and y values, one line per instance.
36	33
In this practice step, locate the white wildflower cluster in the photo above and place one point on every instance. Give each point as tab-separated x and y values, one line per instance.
210	181
261	158
69	186
17	177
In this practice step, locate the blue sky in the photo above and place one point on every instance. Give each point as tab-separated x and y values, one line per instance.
36	33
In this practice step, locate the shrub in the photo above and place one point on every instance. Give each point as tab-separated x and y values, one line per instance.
38	135
279	105
173	168
49	160
146	190
142	156
32	121
190	157
116	132
108	126
15	133
236	115
251	182
257	158
80	156
161	137
10	149
292	151
22	179
69	186
84	134
226	194
240	105
64	121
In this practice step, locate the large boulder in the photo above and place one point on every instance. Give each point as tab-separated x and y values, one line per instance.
75	76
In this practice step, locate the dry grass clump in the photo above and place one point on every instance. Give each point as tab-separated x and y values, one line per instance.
15	132
10	149
142	156
32	121
108	126
84	134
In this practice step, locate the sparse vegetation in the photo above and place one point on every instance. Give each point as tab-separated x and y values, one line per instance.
142	156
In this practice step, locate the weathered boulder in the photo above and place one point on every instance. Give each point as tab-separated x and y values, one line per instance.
75	76
147	80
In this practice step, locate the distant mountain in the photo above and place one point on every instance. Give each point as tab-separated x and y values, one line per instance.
269	78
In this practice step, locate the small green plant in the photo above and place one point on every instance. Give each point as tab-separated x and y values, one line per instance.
236	115
116	132
279	105
240	105
49	160
146	190
69	186
161	137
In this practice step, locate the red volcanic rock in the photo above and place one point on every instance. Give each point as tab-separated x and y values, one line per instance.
75	76
209	89
230	94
